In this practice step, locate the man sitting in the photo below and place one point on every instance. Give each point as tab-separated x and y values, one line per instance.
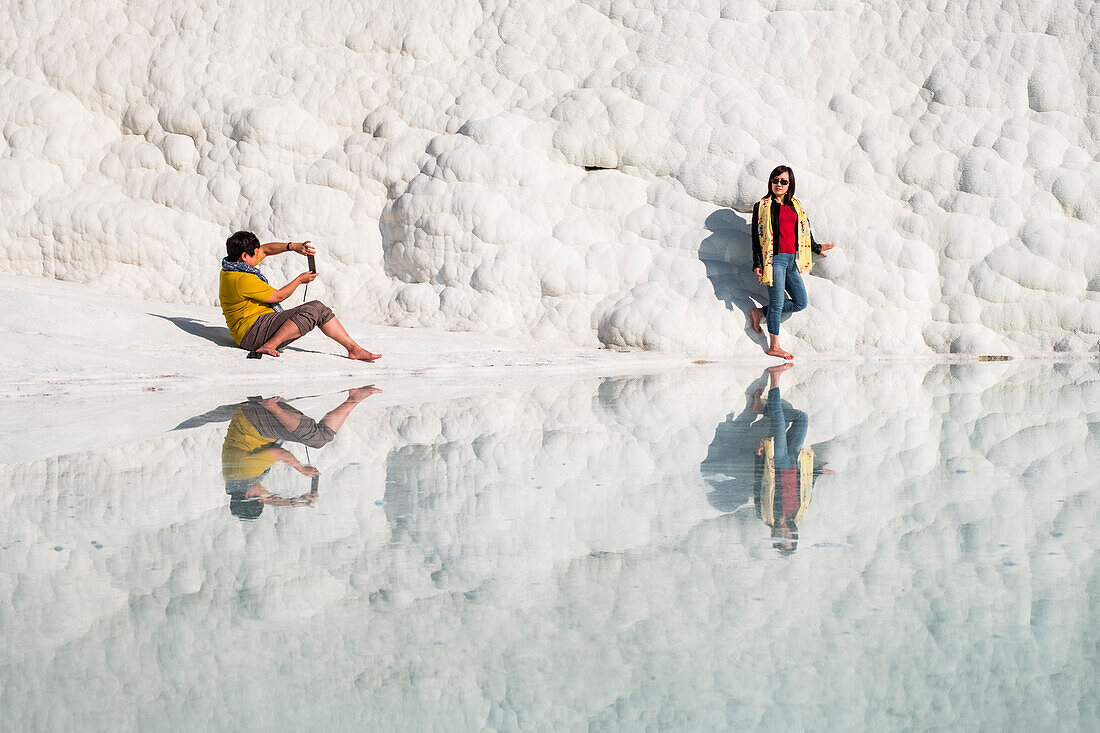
251	306
254	443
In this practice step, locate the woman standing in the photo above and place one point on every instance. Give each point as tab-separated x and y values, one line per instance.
781	247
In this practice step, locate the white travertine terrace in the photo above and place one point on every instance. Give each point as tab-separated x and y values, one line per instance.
449	165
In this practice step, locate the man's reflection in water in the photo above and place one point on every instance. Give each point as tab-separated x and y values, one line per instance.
253	444
783	471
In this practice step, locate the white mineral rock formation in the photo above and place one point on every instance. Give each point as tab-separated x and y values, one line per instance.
573	171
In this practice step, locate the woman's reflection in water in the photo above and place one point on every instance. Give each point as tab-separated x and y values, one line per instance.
253	444
783	471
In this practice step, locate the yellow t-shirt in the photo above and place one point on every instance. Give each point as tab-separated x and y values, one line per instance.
244	454
244	299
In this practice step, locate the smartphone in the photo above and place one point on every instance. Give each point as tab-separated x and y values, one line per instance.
312	263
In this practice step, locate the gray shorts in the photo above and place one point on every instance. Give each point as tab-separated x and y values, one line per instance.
309	432
306	317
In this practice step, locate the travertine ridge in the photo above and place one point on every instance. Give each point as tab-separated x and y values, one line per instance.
573	171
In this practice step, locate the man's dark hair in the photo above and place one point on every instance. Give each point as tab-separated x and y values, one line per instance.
240	243
244	508
778	170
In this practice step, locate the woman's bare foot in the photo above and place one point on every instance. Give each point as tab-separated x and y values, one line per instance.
774	349
757	403
269	350
361	354
757	315
778	369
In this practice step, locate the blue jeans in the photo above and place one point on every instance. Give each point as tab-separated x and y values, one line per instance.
787	444
786	280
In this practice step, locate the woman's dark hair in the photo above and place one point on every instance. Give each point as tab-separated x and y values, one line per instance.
239	243
782	169
785	545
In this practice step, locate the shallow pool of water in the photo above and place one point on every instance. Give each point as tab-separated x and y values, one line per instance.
829	548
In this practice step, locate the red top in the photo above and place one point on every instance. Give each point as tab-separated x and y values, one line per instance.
787	241
788	478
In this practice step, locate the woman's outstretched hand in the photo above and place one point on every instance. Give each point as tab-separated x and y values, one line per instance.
825	248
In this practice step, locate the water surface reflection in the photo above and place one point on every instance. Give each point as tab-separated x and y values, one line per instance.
759	454
578	553
254	443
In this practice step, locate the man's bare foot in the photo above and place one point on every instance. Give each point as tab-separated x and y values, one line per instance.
362	354
776	351
269	350
757	315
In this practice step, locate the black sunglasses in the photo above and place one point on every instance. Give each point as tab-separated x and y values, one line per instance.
784	181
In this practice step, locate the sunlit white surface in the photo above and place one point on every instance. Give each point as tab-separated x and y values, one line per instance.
549	556
576	172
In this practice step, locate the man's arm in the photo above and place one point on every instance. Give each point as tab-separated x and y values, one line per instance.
282	455
278	296
278	248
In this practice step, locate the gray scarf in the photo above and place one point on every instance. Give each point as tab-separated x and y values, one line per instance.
245	267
